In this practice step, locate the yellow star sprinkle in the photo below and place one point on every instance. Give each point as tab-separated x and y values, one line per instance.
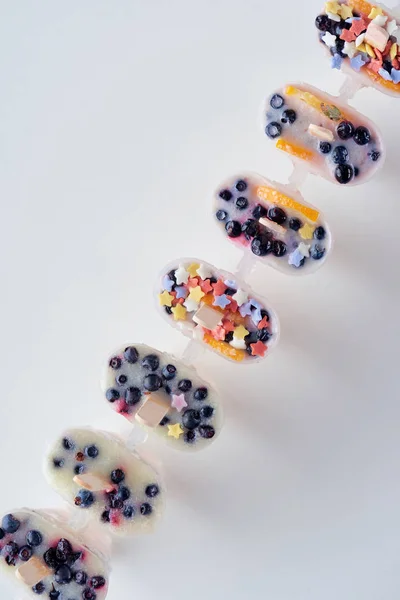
165	298
345	12
306	232
375	12
179	312
332	7
192	269
196	294
240	332
175	430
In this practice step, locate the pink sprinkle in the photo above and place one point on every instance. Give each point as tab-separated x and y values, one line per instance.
193	282
262	324
348	35
233	305
218	333
357	27
228	325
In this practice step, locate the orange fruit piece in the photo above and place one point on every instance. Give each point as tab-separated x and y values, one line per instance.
330	111
224	348
209	299
275	197
360	6
294	150
390	85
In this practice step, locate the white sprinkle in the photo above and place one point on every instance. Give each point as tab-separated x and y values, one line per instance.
380	20
238	344
191	304
391	27
360	39
349	49
333	17
304	249
240	297
329	39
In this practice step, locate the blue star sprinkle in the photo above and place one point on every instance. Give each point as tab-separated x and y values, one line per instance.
336	62
230	283
296	259
385	74
181	292
221	301
357	63
256	316
245	309
167	283
396	75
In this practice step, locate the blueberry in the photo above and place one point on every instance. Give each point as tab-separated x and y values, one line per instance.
277	215
230	291
325	147
261	245
73	557
117	476
121	379
374	155
146	509
84	499
362	136
151	362
105	516
68	444
250	228
50	558
38	588
63	549
54	594
206	431
251	338
295	224
11	548
63	575
10	524
288	116
34	538
123	493
233	229
2	533
190	436
242	203
241	185
91	451
323	23
263	334
89	594
132	395
273	130
340	155
115	362
319	233
169	372
221	215
152	382
206	412
131	355
344	173
10	560
25	553
58	463
112	395
317	252
164	421
225	195
168	310
345	130
201	393
171	275
278	248
356	171
277	101
80	577
114	501
152	490
97	582
128	512
191	418
228	337
259	211
185	385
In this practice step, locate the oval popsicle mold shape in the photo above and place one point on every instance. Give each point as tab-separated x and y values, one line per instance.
96	472
48	560
272	222
362	39
163	395
214	308
330	138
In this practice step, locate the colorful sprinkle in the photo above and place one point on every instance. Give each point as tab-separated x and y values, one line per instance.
304	249
219	288
196	294
385	75
306	232
258	349
181	291
192	269
329	39
191	304
332	7
336	62
345	12
296	259
221	301
204	272
175	430
256	316
206	286
245	309
181	275
178	402
350	49
263	324
375	12
396	75
219	333
240	297
165	299
391	27
357	63
240	332
167	283
179	312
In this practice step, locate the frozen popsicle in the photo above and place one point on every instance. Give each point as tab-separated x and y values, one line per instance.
332	139
96	472
272	222
48	560
163	395
362	39
216	309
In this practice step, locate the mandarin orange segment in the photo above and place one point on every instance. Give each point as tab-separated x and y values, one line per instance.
390	85
209	299
275	197
360	6
294	150
224	348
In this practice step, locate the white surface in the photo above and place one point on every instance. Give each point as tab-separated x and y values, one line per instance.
117	121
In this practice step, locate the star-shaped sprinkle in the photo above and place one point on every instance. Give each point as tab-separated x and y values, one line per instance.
181	291
336	62
240	332
375	65
206	286
256	316
304	249
296	259
192	269
258	349
345	12
193	282
358	26
181	275
221	301
349	49
191	304
255	303
219	288
233	305
228	325
230	283
165	299
376	10
329	39
238	344
333	17
218	333
175	430
306	232
167	283
396	75
385	74
245	309
196	294
380	20
241	297
391	27
263	324
357	63
332	7
348	35
204	272
360	39
178	401
179	312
